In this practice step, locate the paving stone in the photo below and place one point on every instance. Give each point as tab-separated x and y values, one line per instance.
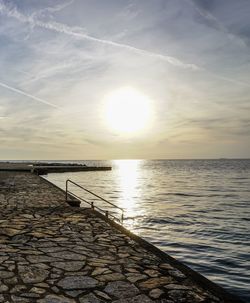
166	266
155	282
137	299
3	258
38	234
20	238
12	280
121	289
97	264
74	293
10	232
133	277
132	270
78	282
10	250
103	261
55	289
41	259
196	298
30	295
99	271
52	249
18	288
44	285
30	252
41	265
116	268
32	274
152	273
69	266
38	290
111	277
177	287
156	293
68	256
27	216
177	295
3	288
6	274
102	295
90	298
55	299
56	270
17	299
177	274
54	276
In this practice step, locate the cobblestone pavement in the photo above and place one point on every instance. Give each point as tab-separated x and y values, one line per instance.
23	189
62	254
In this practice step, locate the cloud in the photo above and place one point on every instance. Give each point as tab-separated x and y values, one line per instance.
99	143
204	8
225	126
227	79
52	9
16	90
205	4
79	34
129	12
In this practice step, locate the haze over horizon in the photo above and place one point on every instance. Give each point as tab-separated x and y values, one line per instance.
117	79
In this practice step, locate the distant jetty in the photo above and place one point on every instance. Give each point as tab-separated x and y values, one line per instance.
43	168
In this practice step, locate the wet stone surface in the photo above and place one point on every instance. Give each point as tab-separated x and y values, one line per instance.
52	253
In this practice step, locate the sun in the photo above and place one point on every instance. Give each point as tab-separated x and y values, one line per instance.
127	110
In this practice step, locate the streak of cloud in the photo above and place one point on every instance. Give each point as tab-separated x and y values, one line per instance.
65	29
79	33
16	90
55	8
211	18
238	82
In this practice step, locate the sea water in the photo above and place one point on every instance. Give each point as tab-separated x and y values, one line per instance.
198	211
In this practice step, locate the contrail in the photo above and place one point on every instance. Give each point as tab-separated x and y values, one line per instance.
65	29
56	8
210	17
242	83
62	28
16	90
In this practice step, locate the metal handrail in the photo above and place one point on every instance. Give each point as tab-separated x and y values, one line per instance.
107	213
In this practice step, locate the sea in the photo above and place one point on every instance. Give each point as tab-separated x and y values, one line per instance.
198	211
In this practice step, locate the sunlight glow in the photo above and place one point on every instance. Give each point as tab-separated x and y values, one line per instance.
128	111
128	176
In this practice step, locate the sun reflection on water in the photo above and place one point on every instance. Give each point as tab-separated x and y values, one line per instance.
128	177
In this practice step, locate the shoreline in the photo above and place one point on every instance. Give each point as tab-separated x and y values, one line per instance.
148	278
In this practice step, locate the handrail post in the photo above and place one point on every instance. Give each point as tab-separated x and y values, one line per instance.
68	192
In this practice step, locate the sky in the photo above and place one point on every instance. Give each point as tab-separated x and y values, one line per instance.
61	62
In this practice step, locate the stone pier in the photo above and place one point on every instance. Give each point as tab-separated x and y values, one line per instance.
53	253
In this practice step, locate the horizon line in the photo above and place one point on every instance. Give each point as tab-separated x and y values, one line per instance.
121	159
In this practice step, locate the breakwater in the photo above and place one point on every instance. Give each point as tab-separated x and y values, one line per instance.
51	252
41	168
